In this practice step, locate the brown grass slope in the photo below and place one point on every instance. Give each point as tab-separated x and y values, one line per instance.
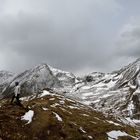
79	122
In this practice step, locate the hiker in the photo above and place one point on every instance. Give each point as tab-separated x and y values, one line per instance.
16	93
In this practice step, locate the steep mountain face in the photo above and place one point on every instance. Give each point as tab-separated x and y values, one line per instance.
66	78
51	116
5	78
94	77
43	76
93	92
116	93
129	74
33	81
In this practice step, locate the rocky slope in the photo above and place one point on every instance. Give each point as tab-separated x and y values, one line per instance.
35	80
51	116
114	93
5	78
66	78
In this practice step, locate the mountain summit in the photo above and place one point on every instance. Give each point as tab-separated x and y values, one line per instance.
34	80
128	74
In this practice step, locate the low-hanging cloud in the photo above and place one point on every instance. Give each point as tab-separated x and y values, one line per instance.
65	34
69	34
129	41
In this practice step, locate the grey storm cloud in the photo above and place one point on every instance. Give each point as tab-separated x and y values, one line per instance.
129	40
71	35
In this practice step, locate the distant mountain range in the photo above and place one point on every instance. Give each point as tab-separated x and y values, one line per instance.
115	93
95	106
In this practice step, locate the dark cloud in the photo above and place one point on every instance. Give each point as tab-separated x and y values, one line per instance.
129	41
77	36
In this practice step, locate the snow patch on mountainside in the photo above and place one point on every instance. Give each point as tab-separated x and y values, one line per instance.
58	117
28	116
44	93
115	134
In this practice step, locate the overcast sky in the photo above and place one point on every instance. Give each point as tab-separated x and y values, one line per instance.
80	36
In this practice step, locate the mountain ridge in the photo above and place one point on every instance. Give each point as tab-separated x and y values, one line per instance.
113	95
106	92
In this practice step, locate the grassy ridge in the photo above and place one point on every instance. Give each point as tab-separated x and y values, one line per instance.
78	121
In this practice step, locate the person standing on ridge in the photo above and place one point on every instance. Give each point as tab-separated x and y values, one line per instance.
16	94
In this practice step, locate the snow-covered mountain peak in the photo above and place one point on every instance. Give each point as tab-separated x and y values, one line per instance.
4	75
67	79
42	76
58	71
5	78
40	67
137	61
129	74
34	80
115	92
